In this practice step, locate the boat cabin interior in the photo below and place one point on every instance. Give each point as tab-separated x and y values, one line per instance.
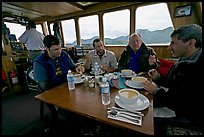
47	15
77	24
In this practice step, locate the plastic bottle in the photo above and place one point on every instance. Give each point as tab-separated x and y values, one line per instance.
105	91
96	69
70	80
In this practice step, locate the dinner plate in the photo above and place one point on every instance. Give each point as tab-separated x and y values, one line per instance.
79	81
101	72
130	83
141	104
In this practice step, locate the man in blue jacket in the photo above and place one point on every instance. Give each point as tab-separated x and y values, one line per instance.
51	67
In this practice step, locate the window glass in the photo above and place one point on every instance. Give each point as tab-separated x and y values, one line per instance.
51	28
89	29
16	29
154	24
116	27
69	32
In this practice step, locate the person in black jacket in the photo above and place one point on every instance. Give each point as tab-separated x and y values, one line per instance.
137	56
182	92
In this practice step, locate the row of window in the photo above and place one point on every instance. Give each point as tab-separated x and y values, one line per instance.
150	20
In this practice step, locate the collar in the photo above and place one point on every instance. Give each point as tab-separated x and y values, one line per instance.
104	55
194	57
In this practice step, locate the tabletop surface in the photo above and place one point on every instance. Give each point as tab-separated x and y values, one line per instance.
86	101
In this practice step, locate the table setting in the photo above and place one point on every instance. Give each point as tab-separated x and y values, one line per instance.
124	111
130	104
125	115
141	104
134	117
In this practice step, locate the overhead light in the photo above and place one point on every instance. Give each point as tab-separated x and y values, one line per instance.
86	3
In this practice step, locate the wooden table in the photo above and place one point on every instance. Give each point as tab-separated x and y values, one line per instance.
87	102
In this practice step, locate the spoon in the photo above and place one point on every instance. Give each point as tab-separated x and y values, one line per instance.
116	112
141	73
124	110
113	114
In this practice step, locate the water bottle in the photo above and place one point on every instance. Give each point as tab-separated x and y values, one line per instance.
96	69
105	91
70	80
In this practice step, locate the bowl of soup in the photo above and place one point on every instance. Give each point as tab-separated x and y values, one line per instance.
128	95
126	72
138	81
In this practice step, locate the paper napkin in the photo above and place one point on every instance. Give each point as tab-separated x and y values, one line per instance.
125	120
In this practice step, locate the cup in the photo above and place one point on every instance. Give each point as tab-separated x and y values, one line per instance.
138	81
126	72
128	96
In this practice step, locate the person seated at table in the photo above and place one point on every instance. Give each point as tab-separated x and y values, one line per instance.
105	58
137	56
51	67
182	87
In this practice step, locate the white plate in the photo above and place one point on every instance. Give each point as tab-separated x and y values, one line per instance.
79	81
101	72
141	104
129	83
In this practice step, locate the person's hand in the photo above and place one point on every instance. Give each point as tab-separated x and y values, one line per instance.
87	58
87	62
152	59
105	68
149	86
153	74
80	69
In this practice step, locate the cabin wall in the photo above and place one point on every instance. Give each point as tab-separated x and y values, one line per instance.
193	18
161	50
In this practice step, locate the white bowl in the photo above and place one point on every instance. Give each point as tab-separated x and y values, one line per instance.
126	72
128	96
77	77
138	81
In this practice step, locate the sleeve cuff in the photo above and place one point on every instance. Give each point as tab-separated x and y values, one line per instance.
155	91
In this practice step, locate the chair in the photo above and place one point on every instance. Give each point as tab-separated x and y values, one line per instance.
165	66
81	51
33	85
31	82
